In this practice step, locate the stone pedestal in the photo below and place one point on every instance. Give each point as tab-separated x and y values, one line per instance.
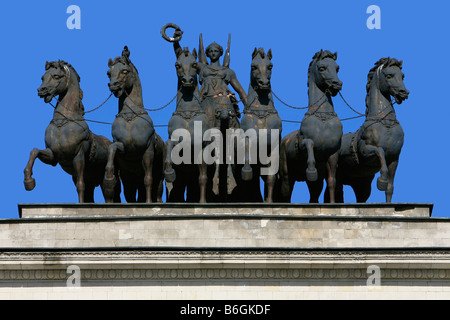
371	251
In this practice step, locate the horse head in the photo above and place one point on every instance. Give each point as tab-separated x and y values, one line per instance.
323	72
186	67
58	77
388	76
123	74
261	70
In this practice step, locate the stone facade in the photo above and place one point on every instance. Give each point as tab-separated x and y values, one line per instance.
211	252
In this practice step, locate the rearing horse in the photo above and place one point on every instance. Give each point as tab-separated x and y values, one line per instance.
376	146
68	139
260	115
310	154
140	151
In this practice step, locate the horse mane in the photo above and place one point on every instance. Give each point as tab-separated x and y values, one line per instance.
60	65
386	63
318	57
125	61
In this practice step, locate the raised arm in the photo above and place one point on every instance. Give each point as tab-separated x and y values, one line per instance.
176	45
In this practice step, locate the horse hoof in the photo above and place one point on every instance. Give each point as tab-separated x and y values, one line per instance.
247	174
30	184
382	184
170	175
109	184
312	175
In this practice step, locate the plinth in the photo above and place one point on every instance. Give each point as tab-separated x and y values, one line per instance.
232	251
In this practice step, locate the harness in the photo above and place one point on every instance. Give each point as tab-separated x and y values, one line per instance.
387	123
188	115
261	112
323	116
59	123
130	116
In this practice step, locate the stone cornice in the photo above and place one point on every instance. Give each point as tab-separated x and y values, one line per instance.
229	274
160	265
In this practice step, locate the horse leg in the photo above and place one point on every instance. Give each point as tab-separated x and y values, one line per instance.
369	151
331	180
147	162
270	185
89	193
117	191
178	191
158	170
203	180
130	186
315	189
169	172
46	156
109	181
79	165
390	188
311	171
247	172
339	198
160	191
362	191
285	190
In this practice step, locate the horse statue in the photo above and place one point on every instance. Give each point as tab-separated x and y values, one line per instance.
260	115
137	150
310	154
191	177
376	146
222	110
68	139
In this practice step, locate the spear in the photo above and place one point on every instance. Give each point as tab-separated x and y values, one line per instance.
227	58
202	56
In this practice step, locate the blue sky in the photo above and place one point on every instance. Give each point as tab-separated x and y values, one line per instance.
33	32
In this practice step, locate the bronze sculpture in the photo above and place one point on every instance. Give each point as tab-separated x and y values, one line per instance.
310	154
222	110
140	160
190	177
260	114
376	146
68	139
137	150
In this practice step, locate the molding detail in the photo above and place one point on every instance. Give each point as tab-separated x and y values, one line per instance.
224	274
262	265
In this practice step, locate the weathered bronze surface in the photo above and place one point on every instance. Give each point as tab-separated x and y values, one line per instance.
188	178
260	114
222	110
139	160
310	154
137	150
68	139
376	146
